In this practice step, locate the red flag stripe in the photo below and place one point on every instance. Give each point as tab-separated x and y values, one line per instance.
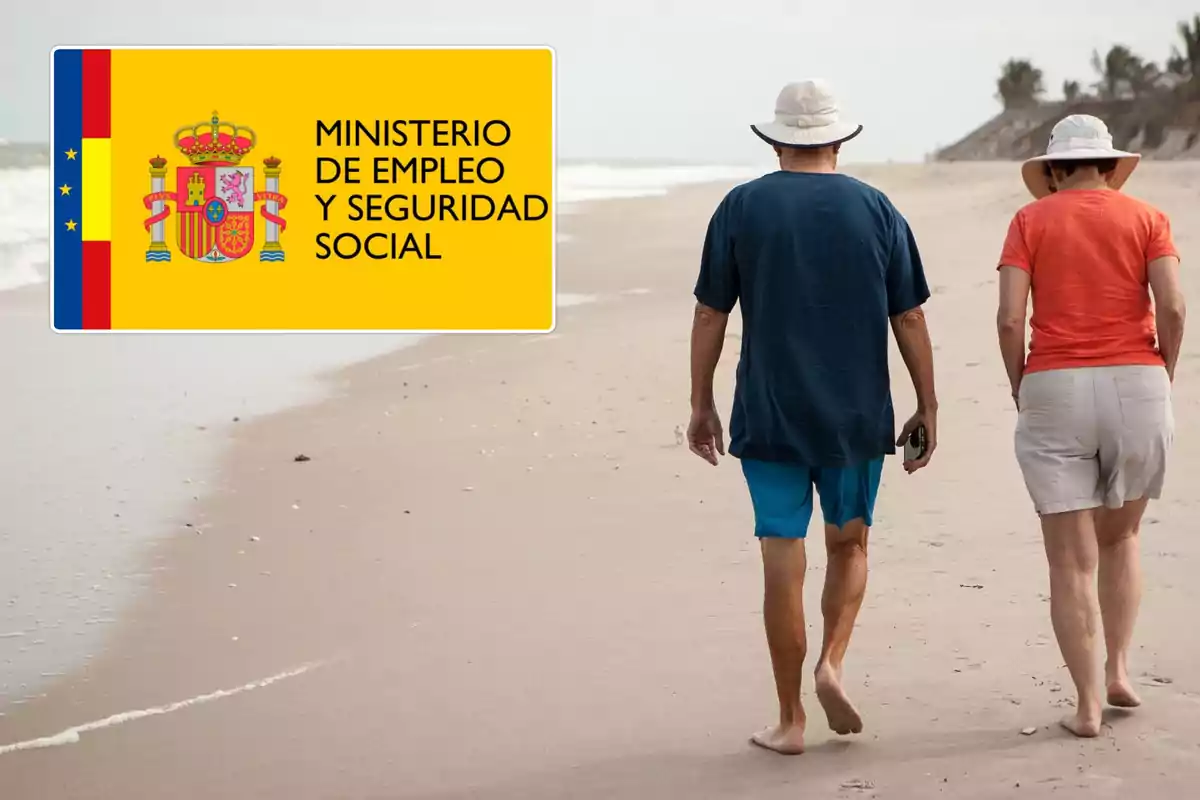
97	94
97	285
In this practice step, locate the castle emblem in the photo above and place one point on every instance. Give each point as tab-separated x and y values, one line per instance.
215	197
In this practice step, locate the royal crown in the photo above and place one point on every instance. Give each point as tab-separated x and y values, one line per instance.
215	142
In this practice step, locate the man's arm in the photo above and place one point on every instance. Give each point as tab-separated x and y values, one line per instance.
907	292
708	339
1170	309
717	292
912	337
916	348
1010	323
705	436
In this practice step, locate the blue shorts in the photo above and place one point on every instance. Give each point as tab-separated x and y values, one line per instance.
782	494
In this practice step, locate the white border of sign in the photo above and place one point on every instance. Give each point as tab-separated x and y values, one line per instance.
553	179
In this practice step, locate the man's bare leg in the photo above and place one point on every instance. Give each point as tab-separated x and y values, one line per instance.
784	563
1071	549
845	585
1120	594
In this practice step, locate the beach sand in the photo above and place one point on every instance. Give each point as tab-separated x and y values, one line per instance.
500	576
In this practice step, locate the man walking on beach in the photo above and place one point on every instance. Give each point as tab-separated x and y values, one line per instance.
821	264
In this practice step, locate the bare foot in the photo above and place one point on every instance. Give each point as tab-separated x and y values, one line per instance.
787	741
1122	695
1085	726
842	715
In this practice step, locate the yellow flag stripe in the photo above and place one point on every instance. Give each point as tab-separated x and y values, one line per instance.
96	155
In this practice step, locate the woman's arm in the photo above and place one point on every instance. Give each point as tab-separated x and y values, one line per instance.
1170	309
1010	323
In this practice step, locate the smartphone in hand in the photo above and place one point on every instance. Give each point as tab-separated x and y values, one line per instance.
914	447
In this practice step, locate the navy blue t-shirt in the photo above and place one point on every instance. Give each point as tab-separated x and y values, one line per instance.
819	262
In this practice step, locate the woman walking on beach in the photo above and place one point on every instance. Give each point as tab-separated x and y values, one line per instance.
1094	395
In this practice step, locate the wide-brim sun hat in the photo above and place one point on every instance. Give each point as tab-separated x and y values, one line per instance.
1079	137
806	115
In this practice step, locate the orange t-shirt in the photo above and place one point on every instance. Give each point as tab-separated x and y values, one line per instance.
1086	251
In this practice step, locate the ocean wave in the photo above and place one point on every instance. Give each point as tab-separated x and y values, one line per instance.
579	183
24	226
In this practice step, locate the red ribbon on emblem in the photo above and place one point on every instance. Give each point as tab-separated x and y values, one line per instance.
263	197
151	199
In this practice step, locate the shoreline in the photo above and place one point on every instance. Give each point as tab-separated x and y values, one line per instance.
497	538
327	386
49	626
37	654
119	437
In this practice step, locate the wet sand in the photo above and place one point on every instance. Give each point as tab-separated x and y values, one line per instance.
108	444
499	575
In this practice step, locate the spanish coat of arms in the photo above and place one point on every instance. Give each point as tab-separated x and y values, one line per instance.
215	197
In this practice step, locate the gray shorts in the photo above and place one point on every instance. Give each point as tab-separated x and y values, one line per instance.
1096	436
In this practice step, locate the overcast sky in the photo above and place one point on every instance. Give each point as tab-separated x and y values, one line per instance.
653	78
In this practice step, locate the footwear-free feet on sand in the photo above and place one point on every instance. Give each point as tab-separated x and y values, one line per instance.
1122	695
788	741
1085	726
843	717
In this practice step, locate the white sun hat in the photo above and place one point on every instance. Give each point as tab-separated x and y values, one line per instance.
806	115
1078	137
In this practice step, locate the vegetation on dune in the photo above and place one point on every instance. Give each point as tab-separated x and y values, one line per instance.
1185	63
1150	105
1120	74
1020	84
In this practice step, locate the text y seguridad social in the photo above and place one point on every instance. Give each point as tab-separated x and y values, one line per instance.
408	191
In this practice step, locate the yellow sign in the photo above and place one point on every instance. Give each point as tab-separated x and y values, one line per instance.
305	189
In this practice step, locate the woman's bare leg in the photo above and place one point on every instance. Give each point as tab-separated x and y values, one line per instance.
1071	549
1120	594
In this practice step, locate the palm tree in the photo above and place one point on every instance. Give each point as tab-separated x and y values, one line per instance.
1186	63
1020	84
1177	65
1072	91
1119	71
1144	77
1190	33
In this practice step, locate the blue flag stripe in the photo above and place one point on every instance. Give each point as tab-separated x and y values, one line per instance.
66	264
